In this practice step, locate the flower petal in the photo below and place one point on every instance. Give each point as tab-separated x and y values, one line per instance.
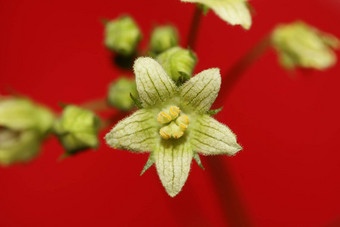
173	165
210	137
301	45
153	84
200	92
235	12
137	132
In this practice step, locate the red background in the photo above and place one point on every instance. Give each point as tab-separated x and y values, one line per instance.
288	123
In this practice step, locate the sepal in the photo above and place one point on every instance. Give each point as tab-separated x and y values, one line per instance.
148	164
198	160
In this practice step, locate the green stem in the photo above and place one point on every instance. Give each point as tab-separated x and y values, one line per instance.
231	202
239	68
194	28
235	213
96	105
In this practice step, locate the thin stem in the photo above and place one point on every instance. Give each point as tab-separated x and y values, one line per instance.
97	105
194	28
238	69
230	199
234	211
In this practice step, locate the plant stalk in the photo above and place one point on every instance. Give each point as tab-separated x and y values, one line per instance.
235	213
194	28
238	69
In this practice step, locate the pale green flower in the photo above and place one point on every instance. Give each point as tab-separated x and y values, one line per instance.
120	92
77	129
301	45
178	63
174	123
23	126
235	12
122	35
163	38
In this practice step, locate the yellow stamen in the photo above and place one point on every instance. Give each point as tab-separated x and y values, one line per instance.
167	116
174	110
183	126
186	118
163	118
178	135
164	134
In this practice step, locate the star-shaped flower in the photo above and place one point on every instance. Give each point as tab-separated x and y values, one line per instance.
235	12
174	124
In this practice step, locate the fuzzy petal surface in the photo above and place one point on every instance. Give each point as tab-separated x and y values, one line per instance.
137	132
235	12
173	165
153	84
200	92
211	137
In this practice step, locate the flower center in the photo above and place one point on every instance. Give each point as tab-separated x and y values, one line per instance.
174	123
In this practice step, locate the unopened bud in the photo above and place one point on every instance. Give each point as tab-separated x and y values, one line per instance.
23	114
119	94
122	35
18	146
179	63
163	38
23	126
77	129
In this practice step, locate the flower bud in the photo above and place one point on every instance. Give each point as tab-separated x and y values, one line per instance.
122	35
23	114
77	129
18	146
23	126
163	38
119	94
178	63
301	45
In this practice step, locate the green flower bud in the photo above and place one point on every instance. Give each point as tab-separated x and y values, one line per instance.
179	63
23	114
301	45
163	38
23	126
119	94
18	146
77	129
122	35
